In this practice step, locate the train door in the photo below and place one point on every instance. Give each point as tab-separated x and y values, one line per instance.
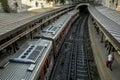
51	59
66	29
56	45
50	63
44	70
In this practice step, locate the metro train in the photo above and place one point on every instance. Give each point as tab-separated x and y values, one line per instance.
36	58
58	30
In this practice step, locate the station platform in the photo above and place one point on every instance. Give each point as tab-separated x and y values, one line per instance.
12	22
100	55
109	13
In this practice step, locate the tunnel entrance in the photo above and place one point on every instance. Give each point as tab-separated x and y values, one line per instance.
83	9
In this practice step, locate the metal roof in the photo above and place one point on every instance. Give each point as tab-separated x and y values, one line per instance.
109	25
109	13
16	70
12	22
56	27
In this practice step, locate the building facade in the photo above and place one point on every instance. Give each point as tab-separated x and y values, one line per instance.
113	4
26	5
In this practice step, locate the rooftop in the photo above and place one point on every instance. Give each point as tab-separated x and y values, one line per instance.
10	22
109	20
53	29
18	70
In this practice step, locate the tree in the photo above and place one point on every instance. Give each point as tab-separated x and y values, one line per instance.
5	5
62	1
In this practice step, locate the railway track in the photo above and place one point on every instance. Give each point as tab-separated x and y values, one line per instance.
79	67
72	63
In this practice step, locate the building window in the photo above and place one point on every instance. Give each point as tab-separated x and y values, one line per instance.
16	4
36	4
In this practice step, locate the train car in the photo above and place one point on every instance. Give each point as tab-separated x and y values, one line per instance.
57	30
33	61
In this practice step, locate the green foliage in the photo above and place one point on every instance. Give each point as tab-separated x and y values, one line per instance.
5	5
62	1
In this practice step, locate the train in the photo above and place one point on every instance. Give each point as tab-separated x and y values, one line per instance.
36	58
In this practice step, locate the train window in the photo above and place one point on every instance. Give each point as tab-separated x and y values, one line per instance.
61	36
51	53
57	42
45	69
40	77
63	31
51	59
47	64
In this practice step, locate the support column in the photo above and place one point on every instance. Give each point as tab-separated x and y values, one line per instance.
14	49
31	35
106	43
97	29
102	38
110	48
12	45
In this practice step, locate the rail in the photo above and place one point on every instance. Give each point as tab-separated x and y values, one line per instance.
78	68
86	47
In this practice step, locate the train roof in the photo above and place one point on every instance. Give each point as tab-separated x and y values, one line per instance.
52	30
27	62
